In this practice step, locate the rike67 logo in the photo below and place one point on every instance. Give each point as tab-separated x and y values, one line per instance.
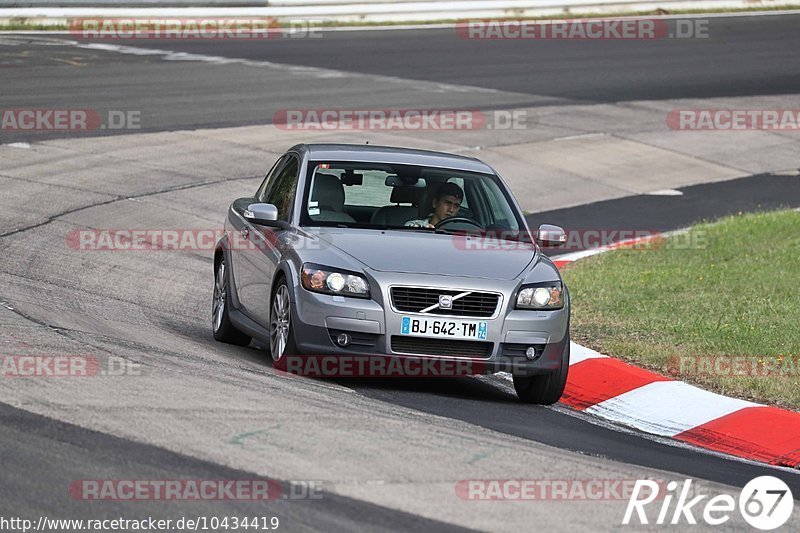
766	503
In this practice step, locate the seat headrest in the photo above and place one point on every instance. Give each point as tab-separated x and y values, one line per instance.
426	202
406	195
328	191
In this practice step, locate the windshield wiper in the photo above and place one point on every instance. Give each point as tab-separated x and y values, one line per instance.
409	228
459	232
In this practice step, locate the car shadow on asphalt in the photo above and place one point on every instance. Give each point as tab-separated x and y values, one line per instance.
465	388
489	389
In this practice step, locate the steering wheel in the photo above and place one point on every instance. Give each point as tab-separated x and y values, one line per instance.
450	220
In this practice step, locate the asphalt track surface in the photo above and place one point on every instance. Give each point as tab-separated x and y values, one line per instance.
745	57
697	203
42	456
32	487
741	57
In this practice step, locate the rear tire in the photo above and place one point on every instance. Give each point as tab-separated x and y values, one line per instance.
224	330
544	389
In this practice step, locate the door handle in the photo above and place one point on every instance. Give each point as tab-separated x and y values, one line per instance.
245	233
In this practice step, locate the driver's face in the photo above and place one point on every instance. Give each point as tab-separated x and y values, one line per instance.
446	207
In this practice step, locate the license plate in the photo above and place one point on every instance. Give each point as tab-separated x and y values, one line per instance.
449	329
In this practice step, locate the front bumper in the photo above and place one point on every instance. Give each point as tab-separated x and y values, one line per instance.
372	324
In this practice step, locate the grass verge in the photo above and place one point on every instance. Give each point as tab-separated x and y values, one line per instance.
718	307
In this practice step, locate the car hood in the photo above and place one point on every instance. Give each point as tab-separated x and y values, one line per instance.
430	253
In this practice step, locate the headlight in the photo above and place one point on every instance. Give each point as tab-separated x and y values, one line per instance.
327	280
541	296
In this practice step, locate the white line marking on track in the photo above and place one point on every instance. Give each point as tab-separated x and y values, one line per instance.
665	192
580	136
316	72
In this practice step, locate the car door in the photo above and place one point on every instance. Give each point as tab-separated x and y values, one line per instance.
262	254
240	228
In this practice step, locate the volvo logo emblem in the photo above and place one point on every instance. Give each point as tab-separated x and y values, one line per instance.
445	301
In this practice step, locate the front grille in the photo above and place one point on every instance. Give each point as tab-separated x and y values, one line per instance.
415	299
453	348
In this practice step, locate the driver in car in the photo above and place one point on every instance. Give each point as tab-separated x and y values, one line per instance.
446	204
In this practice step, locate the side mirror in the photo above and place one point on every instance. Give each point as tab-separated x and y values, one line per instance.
264	214
550	236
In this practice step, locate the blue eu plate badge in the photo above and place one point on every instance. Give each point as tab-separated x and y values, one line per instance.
405	328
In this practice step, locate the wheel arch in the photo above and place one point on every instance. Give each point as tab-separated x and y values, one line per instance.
222	250
285	271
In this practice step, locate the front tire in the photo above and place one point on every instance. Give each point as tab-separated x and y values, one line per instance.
281	329
224	330
544	389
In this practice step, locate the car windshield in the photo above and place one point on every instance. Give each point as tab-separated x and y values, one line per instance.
389	196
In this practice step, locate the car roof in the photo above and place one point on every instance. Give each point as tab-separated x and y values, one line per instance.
387	154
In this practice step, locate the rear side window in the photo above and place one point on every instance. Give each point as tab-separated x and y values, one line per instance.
280	191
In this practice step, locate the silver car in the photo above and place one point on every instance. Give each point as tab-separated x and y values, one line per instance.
395	253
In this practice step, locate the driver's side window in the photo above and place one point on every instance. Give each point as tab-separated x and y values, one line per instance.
270	177
281	190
